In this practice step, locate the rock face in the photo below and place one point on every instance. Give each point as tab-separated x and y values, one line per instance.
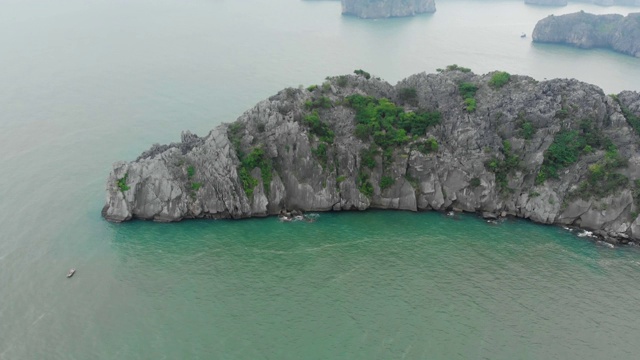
597	2
309	149
378	9
586	30
546	2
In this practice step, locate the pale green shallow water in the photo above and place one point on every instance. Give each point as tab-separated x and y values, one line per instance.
86	83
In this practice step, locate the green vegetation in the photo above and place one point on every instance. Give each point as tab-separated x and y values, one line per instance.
321	153
342	81
601	179
390	127
364	185
248	181
387	123
122	183
368	157
235	135
249	162
191	170
321	102
256	158
562	113
326	86
567	147
470	105
362	73
527	130
386	182
468	91
319	128
499	79
408	95
475	182
455	67
340	179
195	186
312	88
428	146
502	168
363	132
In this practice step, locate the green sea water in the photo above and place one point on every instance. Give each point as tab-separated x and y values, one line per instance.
86	83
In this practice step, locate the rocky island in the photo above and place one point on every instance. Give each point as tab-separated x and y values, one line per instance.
584	30
379	9
546	2
556	152
596	2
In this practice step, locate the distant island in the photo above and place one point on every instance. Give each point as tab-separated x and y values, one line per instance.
584	30
379	9
596	2
556	152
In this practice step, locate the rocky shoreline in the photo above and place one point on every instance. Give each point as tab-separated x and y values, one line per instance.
556	152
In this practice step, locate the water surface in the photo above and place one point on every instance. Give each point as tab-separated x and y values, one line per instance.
86	83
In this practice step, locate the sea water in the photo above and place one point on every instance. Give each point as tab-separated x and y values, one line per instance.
86	83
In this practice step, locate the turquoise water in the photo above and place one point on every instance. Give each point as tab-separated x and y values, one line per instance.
86	83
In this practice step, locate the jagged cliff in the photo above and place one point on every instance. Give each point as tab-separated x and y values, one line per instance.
584	30
557	151
377	9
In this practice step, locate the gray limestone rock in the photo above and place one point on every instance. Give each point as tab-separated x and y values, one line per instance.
377	9
272	159
584	30
597	2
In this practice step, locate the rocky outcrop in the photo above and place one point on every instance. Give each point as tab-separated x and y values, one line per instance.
546	2
584	30
596	2
378	9
341	146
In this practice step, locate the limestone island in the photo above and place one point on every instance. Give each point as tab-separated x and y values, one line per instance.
380	9
556	152
596	2
584	30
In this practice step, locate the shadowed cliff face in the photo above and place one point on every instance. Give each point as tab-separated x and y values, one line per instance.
558	151
586	30
377	9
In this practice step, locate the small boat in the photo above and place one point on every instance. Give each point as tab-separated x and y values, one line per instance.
71	272
523	35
